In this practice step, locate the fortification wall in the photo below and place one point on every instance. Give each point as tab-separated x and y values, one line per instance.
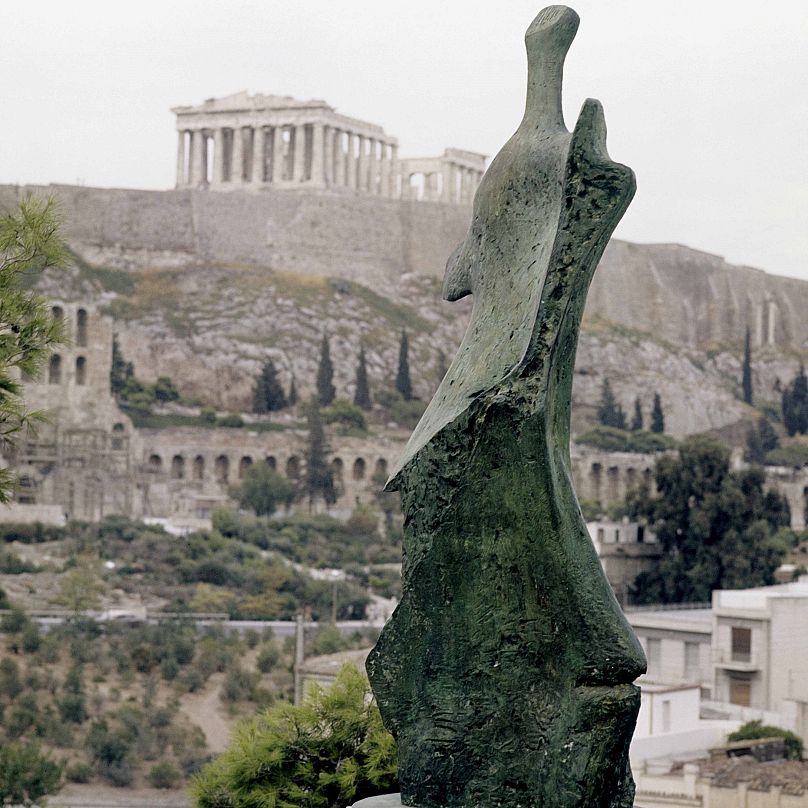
678	294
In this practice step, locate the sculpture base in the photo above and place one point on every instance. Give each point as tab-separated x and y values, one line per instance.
382	801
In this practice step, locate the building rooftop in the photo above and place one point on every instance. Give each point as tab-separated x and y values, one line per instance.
758	597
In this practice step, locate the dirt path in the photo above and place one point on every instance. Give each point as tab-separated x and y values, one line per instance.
206	710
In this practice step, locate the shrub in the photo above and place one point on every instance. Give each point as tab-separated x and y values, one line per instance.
164	775
238	684
232	420
333	749
13	622
31	638
610	439
794	455
345	415
119	774
208	415
72	708
79	773
328	640
753	730
268	657
26	775
10	681
11	564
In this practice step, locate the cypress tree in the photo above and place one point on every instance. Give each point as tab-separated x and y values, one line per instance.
120	370
747	369
362	392
268	394
403	383
325	375
319	480
636	421
657	416
610	413
795	404
292	392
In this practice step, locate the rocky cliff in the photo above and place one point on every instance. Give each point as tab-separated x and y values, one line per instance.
203	286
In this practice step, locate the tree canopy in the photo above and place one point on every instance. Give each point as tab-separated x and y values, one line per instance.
362	391
746	373
29	244
262	490
326	391
268	395
319	479
403	382
657	416
26	775
331	751
718	528
795	404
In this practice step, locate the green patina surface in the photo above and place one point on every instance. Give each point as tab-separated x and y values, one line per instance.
505	673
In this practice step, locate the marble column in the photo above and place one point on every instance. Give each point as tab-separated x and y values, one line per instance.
277	154
394	170
198	158
431	186
237	157
318	154
362	165
328	156
181	159
218	156
298	164
259	155
373	168
446	181
384	169
350	171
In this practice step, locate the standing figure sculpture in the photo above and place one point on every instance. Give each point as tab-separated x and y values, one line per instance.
506	672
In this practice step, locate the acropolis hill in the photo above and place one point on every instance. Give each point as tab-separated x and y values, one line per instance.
308	222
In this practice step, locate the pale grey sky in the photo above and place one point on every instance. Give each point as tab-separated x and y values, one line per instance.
707	101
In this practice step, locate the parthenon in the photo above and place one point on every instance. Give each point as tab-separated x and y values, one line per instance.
252	141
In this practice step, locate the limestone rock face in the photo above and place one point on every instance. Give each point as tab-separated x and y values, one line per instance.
505	673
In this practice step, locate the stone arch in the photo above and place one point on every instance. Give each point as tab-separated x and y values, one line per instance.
81	328
199	467
293	467
631	477
221	468
57	313
337	469
271	462
178	467
381	468
55	369
613	479
155	463
596	476
243	465
647	476
359	468
81	370
118	430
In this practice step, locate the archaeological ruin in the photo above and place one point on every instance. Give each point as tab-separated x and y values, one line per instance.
253	141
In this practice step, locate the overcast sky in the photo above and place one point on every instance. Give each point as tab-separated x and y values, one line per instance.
707	101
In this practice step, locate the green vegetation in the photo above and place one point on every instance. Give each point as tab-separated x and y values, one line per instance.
263	490
718	528
636	420
746	372
753	730
26	775
795	404
760	440
403	383
362	388
794	455
610	413
268	395
110	280
657	416
348	418
319	478
325	374
610	439
331	751
29	245
404	413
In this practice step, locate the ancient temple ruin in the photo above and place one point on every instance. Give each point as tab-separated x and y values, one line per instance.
249	141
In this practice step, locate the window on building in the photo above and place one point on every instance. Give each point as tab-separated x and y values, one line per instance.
640	534
57	313
271	462
601	535
178	467
221	468
293	467
691	660
740	692
243	465
81	370
55	369
81	328
654	652
381	468
155	463
741	644
666	715
199	467
359	469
